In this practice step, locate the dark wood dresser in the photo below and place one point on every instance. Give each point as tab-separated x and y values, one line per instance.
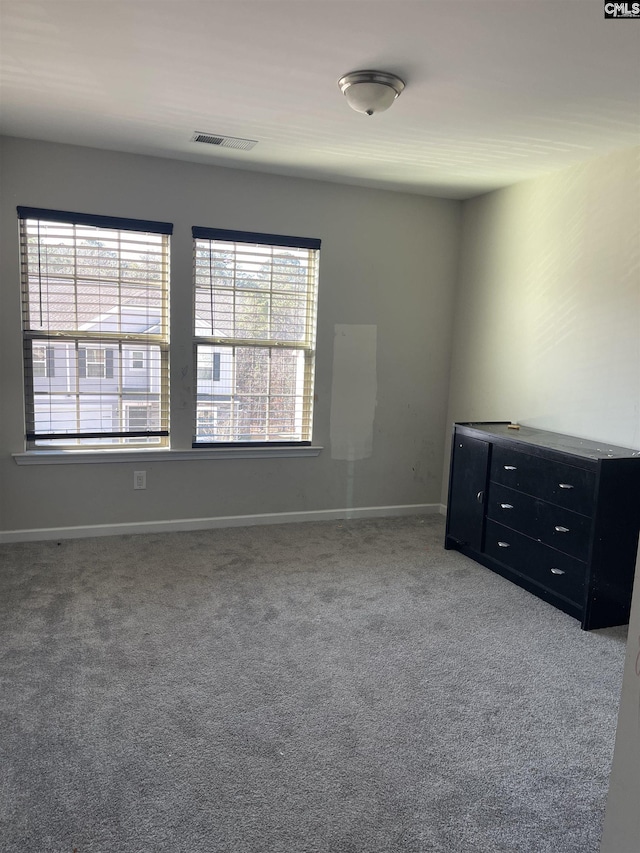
555	514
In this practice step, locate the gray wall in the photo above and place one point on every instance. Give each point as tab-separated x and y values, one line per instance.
546	329
388	260
547	322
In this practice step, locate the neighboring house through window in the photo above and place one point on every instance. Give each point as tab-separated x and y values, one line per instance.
255	328
95	301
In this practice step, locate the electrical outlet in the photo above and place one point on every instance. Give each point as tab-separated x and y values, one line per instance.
139	479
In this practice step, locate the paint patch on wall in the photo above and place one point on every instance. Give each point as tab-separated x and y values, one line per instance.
354	390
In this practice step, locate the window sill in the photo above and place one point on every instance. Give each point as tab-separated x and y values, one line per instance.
74	457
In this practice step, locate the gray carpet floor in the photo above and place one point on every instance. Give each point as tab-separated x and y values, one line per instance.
336	687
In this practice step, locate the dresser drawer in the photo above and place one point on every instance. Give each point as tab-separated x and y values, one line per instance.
553	525
557	572
564	485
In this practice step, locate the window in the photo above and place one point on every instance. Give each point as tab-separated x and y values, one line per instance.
255	327
140	418
39	361
206	425
137	360
94	290
95	363
208	365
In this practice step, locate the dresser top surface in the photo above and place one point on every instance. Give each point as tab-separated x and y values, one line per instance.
528	436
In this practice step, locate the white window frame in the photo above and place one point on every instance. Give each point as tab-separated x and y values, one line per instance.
302	396
67	429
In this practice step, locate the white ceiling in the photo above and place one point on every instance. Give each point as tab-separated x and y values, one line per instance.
497	90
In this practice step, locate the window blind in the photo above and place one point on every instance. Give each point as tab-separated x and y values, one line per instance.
94	302
254	336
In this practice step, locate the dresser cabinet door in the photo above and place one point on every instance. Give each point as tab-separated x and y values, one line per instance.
465	517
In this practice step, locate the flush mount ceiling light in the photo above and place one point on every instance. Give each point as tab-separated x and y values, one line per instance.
370	92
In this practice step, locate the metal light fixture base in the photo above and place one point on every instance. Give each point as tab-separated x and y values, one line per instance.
370	92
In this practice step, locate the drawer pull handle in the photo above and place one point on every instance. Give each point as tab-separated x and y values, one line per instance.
480	497
557	571
503	544
565	485
510	468
506	506
560	529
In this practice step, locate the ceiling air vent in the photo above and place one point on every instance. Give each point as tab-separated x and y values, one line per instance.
224	141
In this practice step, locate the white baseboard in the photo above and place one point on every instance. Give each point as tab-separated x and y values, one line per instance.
171	525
